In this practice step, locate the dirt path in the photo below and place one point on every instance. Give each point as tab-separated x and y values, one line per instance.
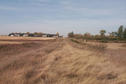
60	63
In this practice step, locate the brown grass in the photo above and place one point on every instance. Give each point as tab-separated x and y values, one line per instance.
4	38
30	59
123	45
89	45
59	62
9	42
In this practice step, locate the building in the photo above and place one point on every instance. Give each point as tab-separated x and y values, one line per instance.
36	34
15	34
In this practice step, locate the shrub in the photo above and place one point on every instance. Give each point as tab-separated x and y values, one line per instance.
104	41
73	40
71	34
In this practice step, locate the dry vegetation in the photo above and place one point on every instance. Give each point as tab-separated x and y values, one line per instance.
62	62
8	38
89	45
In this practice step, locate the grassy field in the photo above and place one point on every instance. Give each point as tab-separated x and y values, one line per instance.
23	38
20	40
61	61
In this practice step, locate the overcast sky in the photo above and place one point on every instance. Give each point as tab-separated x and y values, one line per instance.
61	16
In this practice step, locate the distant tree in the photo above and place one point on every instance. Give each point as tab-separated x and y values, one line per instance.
113	34
120	31
102	33
37	34
78	36
87	35
97	37
28	32
124	33
71	34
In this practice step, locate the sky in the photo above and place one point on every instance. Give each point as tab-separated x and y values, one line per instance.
63	16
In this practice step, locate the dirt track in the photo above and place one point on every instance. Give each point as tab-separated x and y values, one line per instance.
59	62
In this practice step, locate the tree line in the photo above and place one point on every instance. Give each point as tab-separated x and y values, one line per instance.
119	35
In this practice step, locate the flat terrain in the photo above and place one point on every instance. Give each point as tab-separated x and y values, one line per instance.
23	38
61	61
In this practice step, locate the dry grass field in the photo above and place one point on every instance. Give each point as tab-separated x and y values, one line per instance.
61	61
4	38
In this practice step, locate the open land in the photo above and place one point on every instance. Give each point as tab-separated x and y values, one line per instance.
27	60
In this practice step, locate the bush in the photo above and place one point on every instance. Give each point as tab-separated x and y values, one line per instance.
104	41
71	34
73	40
97	46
